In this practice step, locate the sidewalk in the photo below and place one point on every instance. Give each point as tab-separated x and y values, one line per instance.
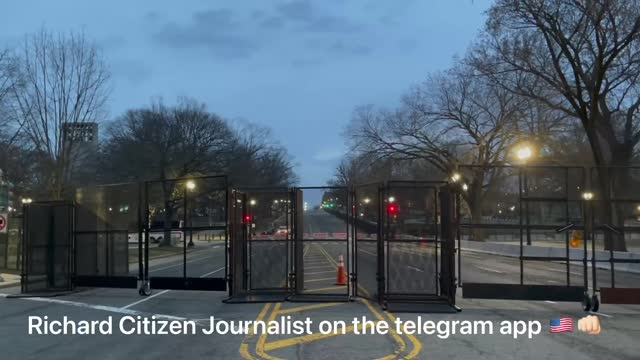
9	280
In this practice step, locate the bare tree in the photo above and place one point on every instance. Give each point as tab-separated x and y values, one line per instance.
64	81
578	57
453	118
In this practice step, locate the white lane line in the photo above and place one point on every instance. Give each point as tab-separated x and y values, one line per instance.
599	313
416	269
367	252
550	302
145	299
213	272
552	282
165	291
180	264
113	309
487	269
563	271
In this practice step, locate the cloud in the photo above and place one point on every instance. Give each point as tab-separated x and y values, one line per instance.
214	30
312	19
228	35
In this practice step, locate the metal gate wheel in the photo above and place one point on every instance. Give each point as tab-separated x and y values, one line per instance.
586	303
595	303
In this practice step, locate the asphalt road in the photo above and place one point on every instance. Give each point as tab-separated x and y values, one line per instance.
411	268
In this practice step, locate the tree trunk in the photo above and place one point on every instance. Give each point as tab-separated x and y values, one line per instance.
612	182
474	200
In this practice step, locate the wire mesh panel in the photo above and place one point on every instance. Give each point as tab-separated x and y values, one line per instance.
268	223
107	235
411	239
516	227
615	210
325	237
185	232
48	247
366	229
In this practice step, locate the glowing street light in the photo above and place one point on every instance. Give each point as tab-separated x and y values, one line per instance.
587	195
465	187
27	200
252	202
367	200
524	153
191	185
455	177
392	199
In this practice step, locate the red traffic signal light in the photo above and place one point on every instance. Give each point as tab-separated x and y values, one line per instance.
393	209
247	219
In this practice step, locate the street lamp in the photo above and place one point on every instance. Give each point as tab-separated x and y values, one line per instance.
392	199
587	195
189	186
252	202
524	153
367	200
455	177
27	200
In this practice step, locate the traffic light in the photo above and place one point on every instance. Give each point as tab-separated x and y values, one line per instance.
247	219
393	209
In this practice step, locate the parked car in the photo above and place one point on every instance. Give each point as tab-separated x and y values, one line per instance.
157	232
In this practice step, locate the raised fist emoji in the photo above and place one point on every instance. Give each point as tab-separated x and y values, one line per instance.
589	324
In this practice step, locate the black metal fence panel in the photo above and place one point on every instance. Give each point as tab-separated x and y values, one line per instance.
367	226
615	216
107	235
518	231
185	233
48	247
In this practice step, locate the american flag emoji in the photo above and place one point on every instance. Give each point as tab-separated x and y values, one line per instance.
561	325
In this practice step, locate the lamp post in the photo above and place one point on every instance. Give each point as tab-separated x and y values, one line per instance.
189	186
524	153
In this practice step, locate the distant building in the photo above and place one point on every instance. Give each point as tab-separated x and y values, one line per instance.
81	138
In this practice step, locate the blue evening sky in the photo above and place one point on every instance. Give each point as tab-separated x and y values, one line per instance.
299	67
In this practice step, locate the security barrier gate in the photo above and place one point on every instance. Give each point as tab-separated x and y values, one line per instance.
295	243
514	232
261	244
517	222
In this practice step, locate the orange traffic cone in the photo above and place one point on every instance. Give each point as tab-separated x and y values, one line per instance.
342	274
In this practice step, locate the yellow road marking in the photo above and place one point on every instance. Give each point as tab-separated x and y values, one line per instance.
260	351
306	339
244	347
323	279
417	345
244	352
397	338
308	307
317	267
327	288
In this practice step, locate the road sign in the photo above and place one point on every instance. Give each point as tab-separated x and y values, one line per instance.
3	223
